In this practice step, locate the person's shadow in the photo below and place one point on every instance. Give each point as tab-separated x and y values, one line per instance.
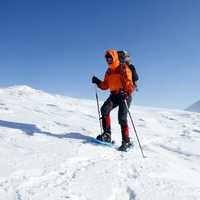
30	129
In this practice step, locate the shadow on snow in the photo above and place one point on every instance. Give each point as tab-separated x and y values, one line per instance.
30	129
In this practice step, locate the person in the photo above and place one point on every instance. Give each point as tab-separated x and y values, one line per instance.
125	58
118	78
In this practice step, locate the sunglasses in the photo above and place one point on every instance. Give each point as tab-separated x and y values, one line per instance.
109	60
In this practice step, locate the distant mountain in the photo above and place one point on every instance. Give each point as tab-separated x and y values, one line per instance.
194	107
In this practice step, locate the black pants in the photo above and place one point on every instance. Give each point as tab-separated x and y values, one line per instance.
112	102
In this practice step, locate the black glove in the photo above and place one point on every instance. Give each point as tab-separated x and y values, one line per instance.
95	80
124	95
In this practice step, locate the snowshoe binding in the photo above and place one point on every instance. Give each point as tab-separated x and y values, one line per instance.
125	146
104	137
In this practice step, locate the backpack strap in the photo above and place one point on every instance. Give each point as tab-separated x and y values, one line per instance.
122	72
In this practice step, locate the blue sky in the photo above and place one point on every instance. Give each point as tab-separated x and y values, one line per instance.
57	46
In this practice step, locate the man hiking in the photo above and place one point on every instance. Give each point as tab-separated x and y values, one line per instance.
118	78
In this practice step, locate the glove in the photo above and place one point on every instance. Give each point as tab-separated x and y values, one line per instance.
95	80
124	95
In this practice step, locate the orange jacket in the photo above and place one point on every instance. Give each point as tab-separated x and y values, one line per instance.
118	77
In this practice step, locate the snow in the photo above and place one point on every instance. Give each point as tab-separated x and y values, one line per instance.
194	107
46	153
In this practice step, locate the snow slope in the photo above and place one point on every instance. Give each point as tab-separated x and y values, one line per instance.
194	107
46	153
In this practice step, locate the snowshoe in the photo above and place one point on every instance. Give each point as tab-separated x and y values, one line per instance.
105	137
125	146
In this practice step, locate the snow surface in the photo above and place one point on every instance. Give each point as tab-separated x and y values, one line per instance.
46	153
194	107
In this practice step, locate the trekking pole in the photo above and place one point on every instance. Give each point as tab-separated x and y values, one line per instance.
97	100
134	128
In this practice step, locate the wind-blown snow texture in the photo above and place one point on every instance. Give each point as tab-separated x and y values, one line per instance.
46	154
194	107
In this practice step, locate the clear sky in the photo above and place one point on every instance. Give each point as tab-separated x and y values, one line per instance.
58	45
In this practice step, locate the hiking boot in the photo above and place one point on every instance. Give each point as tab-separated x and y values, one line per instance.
105	137
125	145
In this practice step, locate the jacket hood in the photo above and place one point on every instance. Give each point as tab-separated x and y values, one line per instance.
113	53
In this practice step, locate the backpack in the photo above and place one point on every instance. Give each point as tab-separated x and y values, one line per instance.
122	55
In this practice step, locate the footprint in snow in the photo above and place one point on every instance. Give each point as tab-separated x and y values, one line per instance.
132	195
196	130
61	124
51	105
4	108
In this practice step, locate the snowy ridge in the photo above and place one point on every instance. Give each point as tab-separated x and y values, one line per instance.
194	107
45	151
